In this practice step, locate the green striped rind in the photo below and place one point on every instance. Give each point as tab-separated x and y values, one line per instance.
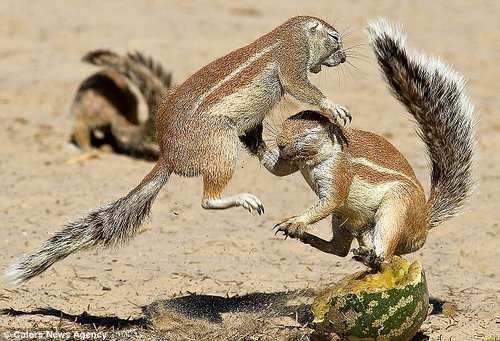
389	314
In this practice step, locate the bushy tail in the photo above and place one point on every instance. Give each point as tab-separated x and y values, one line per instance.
148	75
434	94
106	226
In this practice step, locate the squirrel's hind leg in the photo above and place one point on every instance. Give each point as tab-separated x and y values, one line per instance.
218	173
380	243
212	189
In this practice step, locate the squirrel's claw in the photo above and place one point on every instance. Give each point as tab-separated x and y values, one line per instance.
291	227
260	209
343	113
334	112
368	257
278	229
251	202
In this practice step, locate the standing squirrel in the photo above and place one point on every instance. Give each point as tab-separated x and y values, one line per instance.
105	101
363	181
199	126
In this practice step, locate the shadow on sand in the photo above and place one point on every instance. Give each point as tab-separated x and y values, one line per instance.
208	308
205	307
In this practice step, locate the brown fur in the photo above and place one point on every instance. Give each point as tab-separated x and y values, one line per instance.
196	140
199	126
368	143
397	223
102	98
366	184
108	101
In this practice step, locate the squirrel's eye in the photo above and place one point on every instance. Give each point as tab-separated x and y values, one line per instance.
335	36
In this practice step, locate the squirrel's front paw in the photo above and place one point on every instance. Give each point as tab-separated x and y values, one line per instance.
338	112
368	257
292	227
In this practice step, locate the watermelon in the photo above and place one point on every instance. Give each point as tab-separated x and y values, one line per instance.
389	305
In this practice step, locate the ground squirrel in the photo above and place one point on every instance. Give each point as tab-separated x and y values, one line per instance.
363	181
199	126
101	98
106	102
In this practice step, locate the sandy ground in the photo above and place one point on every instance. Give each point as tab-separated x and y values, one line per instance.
230	259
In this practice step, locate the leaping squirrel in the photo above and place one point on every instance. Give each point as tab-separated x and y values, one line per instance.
364	182
199	126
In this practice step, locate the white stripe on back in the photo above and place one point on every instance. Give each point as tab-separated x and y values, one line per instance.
233	74
365	162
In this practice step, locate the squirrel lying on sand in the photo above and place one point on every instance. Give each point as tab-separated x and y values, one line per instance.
364	182
199	126
106	102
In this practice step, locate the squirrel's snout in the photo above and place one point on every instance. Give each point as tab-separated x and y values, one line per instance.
341	56
336	58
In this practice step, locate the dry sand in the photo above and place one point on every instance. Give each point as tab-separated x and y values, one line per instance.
189	257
